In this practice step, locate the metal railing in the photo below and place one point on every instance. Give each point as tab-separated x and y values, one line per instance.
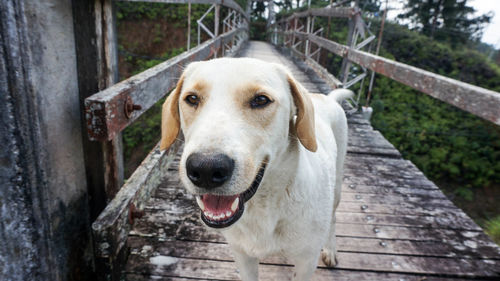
295	33
476	100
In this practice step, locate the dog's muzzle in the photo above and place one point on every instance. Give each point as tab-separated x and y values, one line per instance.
219	211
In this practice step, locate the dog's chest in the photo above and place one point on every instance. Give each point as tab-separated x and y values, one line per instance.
261	233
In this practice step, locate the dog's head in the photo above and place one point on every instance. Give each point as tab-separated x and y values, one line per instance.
237	115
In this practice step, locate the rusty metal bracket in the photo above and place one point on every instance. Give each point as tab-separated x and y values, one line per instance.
129	107
134	213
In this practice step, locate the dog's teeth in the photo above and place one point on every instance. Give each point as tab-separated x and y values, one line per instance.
228	214
222	215
200	203
209	215
234	206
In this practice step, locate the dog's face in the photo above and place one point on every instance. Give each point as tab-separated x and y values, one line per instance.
236	116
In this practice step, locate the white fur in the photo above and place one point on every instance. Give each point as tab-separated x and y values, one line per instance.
292	213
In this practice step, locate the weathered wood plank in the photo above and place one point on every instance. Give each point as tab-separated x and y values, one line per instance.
140	277
365	245
402	191
383	171
396	200
413	233
348	261
320	275
367	137
168	226
412	248
375	151
468	244
401	209
446	220
367	179
226	270
105	110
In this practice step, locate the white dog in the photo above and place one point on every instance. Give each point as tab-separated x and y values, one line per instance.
263	157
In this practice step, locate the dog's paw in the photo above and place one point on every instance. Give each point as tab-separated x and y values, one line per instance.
329	258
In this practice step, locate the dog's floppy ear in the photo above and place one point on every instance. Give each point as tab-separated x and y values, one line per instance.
304	124
170	120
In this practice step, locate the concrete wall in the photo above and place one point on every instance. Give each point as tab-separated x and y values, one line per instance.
44	223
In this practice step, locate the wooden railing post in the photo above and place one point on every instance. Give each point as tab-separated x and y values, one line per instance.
189	27
217	20
107	76
294	30
95	39
308	30
344	69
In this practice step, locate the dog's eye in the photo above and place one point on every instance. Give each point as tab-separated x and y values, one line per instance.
259	101
193	100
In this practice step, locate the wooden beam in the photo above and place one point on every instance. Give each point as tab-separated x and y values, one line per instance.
97	69
231	4
476	100
105	111
336	12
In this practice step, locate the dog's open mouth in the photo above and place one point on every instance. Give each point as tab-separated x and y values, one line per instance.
219	211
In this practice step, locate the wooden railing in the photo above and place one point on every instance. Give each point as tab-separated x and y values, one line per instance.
476	100
111	110
107	112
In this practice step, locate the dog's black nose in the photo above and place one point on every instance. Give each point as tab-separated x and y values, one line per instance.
209	170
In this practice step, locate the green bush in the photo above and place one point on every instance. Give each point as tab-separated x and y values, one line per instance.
493	229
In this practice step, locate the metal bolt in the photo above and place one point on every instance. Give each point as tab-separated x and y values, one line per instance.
352	186
358	197
369	218
134	213
383	244
130	107
376	230
364	207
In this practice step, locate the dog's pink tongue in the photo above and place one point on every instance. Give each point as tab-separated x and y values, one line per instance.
217	203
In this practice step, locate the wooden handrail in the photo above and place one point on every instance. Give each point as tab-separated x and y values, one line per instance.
476	100
105	111
338	12
226	3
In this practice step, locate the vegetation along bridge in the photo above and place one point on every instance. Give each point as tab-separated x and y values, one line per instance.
392	223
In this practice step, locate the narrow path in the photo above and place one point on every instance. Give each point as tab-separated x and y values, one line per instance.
392	222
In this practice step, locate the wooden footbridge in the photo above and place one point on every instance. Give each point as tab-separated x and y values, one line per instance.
392	222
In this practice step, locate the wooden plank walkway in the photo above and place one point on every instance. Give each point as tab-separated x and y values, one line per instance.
392	222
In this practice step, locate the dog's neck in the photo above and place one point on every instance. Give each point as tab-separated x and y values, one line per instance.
284	166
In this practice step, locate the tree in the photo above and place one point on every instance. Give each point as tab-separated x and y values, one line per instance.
370	6
284	5
446	20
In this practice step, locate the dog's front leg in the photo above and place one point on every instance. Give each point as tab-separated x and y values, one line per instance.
248	266
305	265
